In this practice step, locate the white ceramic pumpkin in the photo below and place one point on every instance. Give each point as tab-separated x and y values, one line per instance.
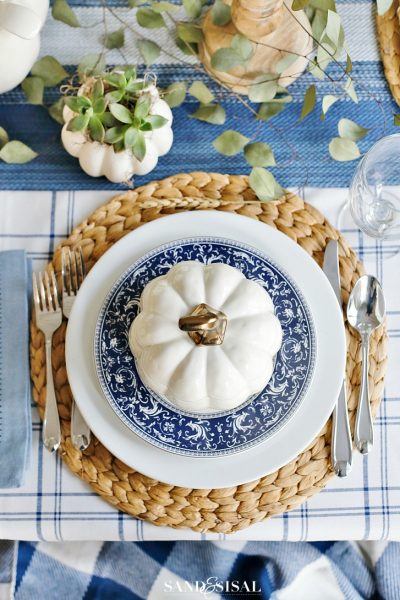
20	25
98	159
205	378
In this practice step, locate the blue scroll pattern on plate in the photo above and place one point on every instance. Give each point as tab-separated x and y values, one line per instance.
153	418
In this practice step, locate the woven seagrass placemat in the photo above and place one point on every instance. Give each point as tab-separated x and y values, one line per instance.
388	26
217	510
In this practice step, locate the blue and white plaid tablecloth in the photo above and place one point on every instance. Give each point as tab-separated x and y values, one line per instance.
55	505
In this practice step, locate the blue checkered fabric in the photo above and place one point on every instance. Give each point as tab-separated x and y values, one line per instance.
208	570
53	505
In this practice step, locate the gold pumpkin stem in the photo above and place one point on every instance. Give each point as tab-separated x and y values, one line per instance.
205	325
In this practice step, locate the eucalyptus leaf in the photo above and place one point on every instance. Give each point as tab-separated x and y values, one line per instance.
396	121
383	6
268	110
351	130
259	154
286	61
113	40
349	65
175	94
225	59
61	11
220	13
230	142
327	102
163	6
121	113
309	101
149	18
49	70
350	91
264	88
299	4
210	113
319	24
190	49
189	33
3	137
333	27
17	153
199	90
149	50
56	110
136	3
343	149
324	5
33	88
91	64
264	184
243	46
192	8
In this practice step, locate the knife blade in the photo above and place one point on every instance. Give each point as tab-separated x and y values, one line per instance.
341	444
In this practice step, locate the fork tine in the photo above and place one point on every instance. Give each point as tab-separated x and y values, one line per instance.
35	291
70	274
75	272
55	291
80	266
49	296
64	272
42	292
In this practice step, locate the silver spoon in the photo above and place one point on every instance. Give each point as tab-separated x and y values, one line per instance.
365	312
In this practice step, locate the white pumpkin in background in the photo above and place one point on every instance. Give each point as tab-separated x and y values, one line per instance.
173	362
20	25
98	159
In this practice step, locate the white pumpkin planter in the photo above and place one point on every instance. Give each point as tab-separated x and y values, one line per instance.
205	378
98	159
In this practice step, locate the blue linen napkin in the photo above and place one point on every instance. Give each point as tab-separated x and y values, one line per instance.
15	390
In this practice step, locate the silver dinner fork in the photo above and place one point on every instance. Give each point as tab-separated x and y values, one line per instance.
48	319
73	273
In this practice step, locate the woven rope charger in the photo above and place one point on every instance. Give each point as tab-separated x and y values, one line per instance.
388	26
214	510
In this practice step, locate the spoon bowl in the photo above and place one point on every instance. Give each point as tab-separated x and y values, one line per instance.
365	312
366	306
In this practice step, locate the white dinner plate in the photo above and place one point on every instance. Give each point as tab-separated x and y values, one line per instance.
228	470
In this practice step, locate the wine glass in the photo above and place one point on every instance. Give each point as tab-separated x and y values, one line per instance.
374	195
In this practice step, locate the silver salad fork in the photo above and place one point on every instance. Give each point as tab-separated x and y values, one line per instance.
48	319
72	274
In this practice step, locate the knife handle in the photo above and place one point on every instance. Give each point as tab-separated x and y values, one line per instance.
341	449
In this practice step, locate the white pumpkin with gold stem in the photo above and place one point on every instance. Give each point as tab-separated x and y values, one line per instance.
206	337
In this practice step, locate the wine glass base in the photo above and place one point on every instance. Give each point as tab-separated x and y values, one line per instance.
368	248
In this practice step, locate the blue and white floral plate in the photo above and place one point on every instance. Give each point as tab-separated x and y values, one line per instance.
322	372
152	417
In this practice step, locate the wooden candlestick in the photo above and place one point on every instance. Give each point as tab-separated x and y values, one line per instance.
273	28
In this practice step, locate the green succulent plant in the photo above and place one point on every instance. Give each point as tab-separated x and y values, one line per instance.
116	111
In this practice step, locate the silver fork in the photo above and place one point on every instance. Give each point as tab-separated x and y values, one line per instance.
73	273
48	319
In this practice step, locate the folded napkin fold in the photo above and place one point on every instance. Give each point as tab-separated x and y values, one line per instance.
15	390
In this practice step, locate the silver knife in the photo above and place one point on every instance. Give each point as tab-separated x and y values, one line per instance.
341	445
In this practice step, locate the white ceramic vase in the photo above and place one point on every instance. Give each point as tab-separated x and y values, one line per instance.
20	25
